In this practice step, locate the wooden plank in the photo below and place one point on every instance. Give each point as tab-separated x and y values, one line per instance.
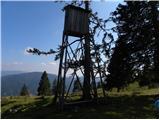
76	22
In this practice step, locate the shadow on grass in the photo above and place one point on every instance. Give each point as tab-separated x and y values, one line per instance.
26	110
6	103
107	108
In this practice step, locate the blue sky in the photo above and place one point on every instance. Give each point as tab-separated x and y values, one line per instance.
39	25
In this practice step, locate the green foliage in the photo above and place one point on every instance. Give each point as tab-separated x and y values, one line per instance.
135	55
54	87
99	85
44	85
24	91
76	86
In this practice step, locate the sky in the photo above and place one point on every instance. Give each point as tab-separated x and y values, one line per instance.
33	24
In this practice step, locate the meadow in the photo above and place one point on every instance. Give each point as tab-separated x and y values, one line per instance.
131	103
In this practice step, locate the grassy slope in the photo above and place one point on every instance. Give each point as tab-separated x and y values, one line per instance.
137	103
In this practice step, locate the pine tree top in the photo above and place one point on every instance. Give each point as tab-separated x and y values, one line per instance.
24	91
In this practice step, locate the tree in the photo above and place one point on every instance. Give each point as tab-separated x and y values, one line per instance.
99	85
76	86
118	68
44	85
54	87
24	91
135	54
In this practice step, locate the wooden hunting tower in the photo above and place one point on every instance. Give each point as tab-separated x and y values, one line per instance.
76	21
75	56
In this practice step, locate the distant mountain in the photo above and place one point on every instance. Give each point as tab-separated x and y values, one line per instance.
5	73
11	84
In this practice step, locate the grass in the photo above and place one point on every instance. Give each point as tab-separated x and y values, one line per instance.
128	104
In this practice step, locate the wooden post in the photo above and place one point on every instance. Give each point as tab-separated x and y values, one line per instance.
101	80
64	73
87	64
59	72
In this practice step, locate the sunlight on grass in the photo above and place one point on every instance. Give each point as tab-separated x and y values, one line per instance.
125	104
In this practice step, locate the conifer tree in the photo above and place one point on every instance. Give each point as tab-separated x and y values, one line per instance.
135	55
76	86
44	85
24	91
54	87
